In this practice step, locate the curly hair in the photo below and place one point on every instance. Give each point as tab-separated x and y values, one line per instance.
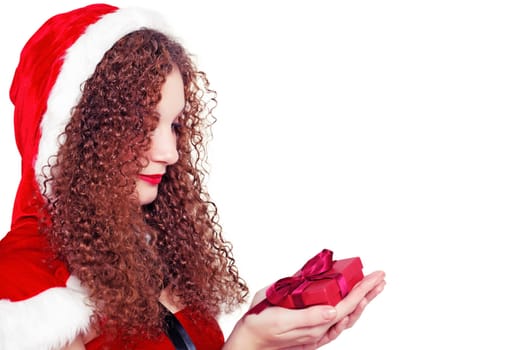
125	254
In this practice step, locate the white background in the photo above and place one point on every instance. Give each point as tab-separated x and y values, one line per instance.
389	130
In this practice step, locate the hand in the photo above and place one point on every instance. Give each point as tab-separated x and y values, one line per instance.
350	309
309	328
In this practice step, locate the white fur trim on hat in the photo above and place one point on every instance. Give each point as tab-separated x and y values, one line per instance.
79	64
46	321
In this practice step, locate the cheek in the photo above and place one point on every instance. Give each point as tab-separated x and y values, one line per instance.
145	159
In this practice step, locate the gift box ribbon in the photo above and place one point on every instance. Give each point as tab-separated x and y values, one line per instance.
315	269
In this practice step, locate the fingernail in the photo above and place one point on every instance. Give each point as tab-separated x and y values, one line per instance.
329	313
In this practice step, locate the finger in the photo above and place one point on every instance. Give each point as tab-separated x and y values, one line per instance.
334	331
369	282
354	316
338	328
307	318
360	290
304	338
376	291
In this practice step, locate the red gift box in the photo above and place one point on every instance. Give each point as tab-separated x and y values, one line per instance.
320	281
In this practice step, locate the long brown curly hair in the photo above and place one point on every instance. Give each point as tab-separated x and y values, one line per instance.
124	253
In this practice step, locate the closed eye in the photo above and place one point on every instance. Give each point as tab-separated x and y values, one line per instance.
175	127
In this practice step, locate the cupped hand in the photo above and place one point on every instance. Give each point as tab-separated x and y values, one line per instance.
280	328
350	309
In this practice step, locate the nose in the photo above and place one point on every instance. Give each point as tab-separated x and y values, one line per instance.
164	147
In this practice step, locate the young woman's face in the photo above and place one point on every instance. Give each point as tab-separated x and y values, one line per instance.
163	150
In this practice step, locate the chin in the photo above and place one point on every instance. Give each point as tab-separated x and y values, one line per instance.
145	199
146	193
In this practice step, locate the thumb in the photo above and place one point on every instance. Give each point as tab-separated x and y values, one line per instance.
309	317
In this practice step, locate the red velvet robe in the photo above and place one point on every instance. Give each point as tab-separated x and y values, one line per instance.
42	306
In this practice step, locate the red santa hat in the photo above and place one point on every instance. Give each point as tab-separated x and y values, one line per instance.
54	63
41	305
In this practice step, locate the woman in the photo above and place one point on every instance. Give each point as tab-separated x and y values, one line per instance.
114	242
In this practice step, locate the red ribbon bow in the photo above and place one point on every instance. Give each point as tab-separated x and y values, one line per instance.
315	269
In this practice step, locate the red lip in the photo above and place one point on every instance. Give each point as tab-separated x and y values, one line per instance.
153	179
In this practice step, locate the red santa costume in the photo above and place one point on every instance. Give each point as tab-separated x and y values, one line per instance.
43	306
